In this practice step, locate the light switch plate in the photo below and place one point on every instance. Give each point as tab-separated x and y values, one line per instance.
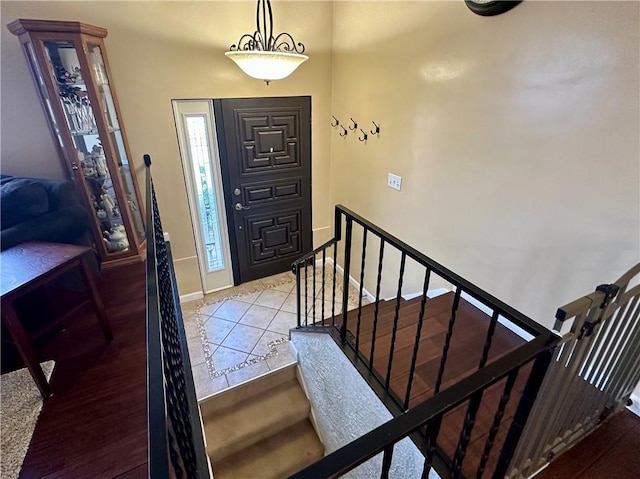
394	181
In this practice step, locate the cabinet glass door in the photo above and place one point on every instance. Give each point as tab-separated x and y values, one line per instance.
81	122
110	113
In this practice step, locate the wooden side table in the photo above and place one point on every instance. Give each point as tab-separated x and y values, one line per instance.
30	265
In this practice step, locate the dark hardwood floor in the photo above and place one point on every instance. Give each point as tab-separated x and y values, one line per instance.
464	355
611	451
95	425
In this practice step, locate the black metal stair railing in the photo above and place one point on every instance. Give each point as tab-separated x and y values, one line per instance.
336	262
176	444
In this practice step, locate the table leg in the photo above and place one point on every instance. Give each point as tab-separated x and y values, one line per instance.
96	299
21	341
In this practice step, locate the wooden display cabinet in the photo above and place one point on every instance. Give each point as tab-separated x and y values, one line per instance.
71	72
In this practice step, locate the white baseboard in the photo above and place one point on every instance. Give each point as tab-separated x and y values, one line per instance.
432	293
352	280
185	298
502	320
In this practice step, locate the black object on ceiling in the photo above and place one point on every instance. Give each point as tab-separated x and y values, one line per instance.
488	8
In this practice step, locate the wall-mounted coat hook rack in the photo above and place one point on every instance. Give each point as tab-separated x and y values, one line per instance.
364	135
344	131
377	129
337	122
355	124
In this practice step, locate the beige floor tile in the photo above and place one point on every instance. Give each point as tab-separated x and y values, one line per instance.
277	279
217	329
290	304
283	322
248	372
196	351
286	287
319	304
190	305
209	309
271	299
258	316
284	357
206	386
231	310
191	328
262	346
225	358
248	297
243	338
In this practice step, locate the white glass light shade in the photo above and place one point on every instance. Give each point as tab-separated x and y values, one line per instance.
266	65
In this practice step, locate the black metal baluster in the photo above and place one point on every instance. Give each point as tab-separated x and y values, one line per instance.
497	419
447	342
314	290
387	457
377	305
362	264
416	346
488	341
298	295
324	272
395	320
306	294
345	281
431	434
465	434
333	298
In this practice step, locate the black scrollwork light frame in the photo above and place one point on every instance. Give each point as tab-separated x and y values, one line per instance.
262	39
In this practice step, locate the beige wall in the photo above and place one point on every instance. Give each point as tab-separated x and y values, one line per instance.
516	135
517	138
161	51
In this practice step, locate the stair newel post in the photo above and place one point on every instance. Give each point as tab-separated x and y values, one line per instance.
345	281
296	270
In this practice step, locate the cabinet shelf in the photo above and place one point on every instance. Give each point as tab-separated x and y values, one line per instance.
74	84
93	131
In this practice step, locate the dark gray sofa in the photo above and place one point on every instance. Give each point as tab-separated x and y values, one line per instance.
34	209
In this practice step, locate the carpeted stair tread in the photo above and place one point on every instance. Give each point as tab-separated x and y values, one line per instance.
255	418
275	457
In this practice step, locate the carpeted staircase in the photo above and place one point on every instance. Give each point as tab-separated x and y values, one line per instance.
261	428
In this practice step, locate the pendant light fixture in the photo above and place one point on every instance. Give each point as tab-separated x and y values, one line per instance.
264	56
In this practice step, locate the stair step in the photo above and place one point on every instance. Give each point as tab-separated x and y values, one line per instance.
275	457
255	418
255	387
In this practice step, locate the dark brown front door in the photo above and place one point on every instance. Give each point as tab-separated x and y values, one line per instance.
265	153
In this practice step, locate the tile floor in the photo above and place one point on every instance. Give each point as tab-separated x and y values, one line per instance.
242	332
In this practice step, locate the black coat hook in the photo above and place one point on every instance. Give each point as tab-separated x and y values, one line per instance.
377	130
355	125
364	135
344	131
337	122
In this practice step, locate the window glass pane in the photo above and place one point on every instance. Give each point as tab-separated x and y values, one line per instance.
196	129
110	114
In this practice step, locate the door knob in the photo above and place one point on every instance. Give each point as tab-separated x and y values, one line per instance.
74	166
239	207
